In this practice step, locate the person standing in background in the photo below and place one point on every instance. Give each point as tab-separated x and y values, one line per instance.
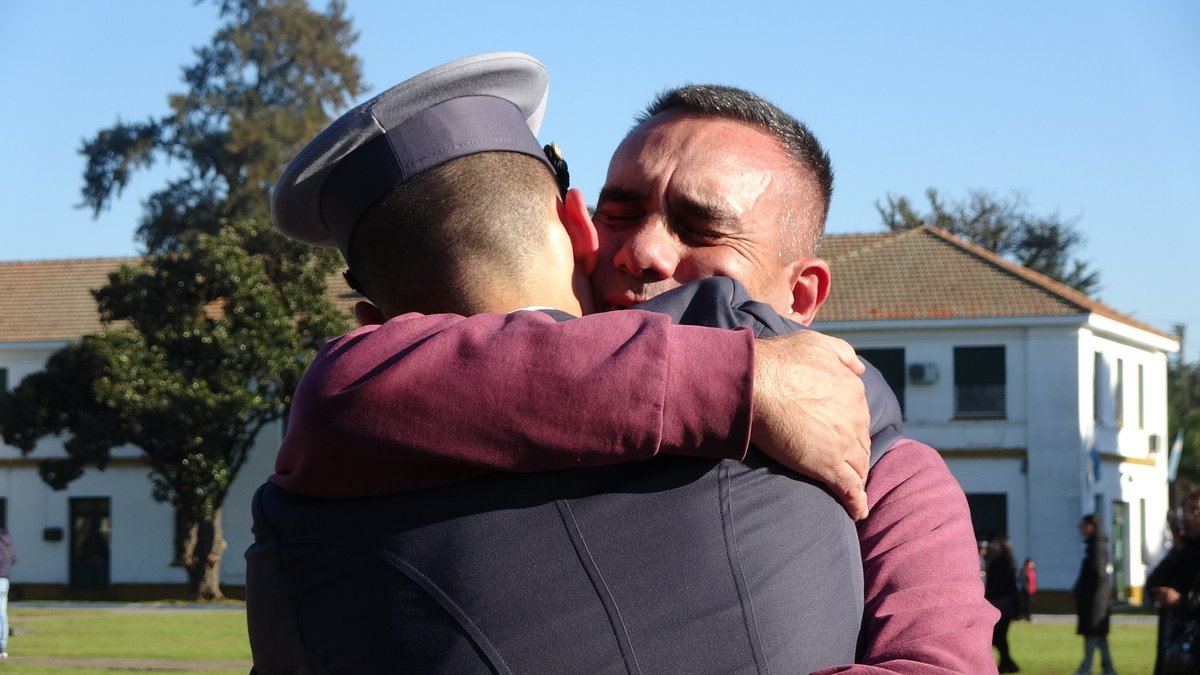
1174	585
1001	591
1026	589
7	559
1093	597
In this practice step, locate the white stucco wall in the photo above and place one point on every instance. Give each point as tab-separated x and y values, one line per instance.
259	465
142	537
1039	454
1055	451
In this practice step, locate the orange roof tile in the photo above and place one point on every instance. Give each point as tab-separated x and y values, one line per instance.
928	273
51	300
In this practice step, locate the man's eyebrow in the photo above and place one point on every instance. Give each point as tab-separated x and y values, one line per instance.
614	193
706	211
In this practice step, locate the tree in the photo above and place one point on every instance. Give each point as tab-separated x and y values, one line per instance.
1183	414
207	337
1042	243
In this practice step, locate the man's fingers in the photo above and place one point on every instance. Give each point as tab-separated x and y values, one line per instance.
845	354
857	507
864	441
848	486
861	461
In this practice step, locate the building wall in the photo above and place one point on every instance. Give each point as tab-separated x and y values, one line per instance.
1131	452
1040	454
143	530
1056	453
25	358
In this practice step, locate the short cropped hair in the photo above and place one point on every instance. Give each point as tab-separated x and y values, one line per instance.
739	105
423	246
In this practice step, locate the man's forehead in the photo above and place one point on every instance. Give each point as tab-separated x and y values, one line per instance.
704	133
671	142
714	162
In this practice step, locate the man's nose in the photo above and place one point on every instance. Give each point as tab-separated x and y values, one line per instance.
649	254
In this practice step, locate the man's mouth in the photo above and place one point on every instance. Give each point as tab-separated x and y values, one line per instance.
622	300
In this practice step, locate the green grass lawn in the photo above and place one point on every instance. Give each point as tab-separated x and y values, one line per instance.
150	632
1053	648
219	637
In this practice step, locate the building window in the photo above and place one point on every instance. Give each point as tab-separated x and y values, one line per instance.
1099	378
979	382
890	363
1142	528
3	379
1119	395
1141	395
1122	563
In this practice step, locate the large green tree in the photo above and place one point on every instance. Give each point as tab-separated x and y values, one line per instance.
1183	400
207	337
1046	244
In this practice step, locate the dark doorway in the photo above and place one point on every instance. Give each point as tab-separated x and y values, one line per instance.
91	534
989	514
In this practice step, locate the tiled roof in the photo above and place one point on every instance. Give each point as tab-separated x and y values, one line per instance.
48	300
924	273
927	273
51	300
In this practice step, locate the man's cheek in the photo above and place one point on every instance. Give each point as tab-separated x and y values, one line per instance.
606	256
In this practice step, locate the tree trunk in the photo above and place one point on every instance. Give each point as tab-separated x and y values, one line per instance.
202	551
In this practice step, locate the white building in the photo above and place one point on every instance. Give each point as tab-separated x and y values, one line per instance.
1046	405
104	537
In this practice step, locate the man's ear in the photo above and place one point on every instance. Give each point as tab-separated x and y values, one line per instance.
367	314
810	280
585	243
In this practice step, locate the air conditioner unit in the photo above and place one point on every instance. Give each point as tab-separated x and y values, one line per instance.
922	373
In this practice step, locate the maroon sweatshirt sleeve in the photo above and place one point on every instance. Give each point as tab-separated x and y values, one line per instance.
924	613
425	400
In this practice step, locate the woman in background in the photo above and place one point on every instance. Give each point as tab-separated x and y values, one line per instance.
1026	588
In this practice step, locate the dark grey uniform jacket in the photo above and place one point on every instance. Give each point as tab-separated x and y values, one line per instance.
674	565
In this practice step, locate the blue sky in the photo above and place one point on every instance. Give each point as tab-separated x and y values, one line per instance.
1091	109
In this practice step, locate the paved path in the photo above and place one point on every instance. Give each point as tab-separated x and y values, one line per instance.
1116	618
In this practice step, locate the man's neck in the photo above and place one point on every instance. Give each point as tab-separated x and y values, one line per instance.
505	300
